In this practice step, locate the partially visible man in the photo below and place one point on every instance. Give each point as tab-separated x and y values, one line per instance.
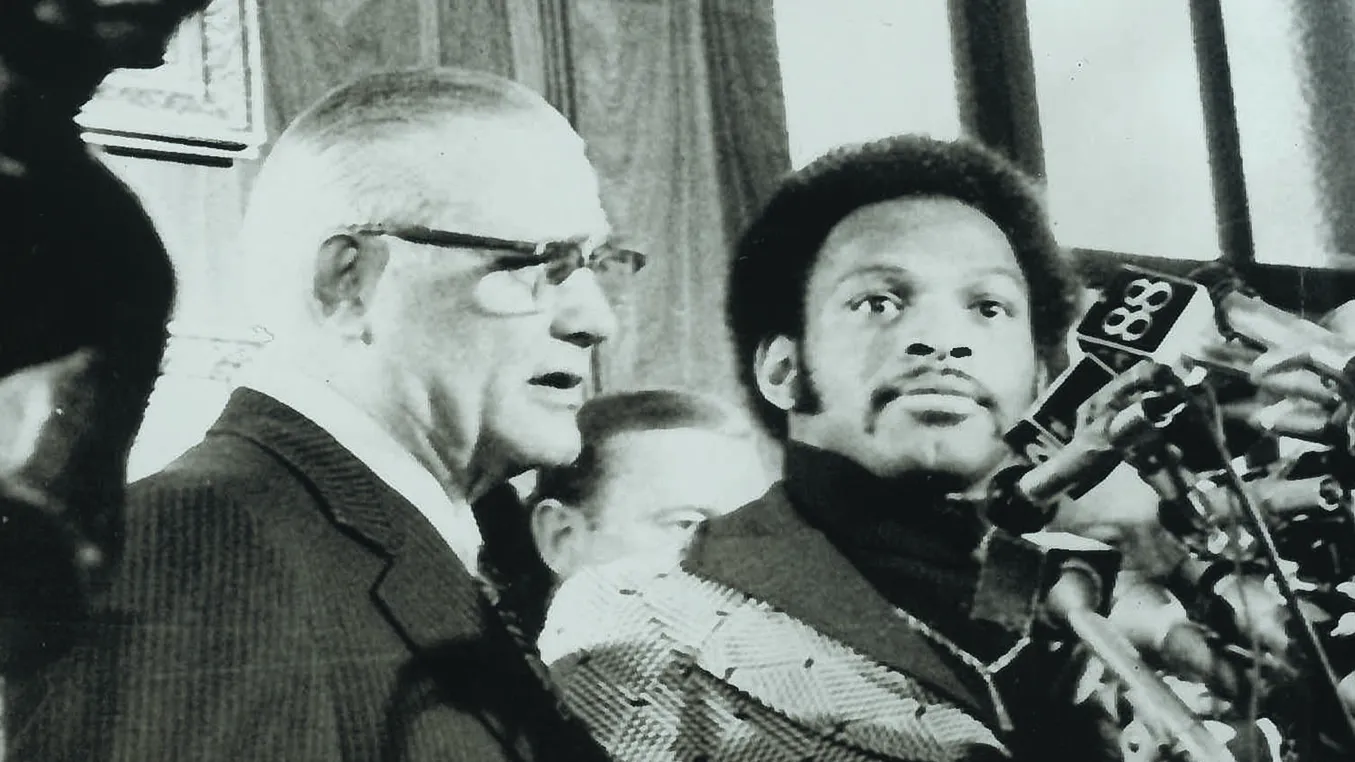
655	464
895	307
426	248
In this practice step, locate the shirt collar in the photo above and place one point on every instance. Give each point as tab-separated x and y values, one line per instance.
369	442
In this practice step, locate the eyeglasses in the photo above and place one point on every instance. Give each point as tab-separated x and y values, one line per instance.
523	280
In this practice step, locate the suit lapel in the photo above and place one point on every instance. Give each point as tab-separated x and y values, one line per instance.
768	552
425	592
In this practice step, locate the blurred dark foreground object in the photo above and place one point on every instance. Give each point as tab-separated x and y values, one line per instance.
86	289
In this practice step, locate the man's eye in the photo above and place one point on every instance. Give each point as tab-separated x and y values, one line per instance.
684	523
991	308
880	305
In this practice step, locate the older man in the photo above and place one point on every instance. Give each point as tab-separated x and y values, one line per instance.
894	307
426	247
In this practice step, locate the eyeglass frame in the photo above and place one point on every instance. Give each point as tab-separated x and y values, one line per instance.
530	253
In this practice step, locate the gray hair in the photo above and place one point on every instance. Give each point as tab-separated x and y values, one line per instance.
354	158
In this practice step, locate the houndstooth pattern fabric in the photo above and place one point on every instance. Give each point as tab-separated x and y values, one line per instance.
663	665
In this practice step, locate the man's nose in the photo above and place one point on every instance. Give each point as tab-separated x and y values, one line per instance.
584	314
937	332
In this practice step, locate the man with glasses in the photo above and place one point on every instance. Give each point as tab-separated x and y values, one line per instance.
429	253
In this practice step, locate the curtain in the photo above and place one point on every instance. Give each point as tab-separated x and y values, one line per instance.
680	102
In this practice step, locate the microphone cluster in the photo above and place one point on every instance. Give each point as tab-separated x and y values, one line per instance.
1261	607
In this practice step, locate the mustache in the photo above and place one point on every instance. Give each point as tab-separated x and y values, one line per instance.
923	378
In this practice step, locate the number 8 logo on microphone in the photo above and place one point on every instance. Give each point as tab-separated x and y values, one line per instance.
1134	317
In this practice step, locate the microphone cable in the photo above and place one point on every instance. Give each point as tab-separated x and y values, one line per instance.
1207	404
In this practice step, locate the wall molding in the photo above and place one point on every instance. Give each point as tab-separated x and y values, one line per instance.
205	101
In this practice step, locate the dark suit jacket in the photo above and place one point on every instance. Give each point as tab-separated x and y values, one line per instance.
278	602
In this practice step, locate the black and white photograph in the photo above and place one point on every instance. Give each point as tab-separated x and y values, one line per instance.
677	380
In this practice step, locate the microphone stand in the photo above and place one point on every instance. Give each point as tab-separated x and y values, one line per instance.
1206	406
1072	600
1058	578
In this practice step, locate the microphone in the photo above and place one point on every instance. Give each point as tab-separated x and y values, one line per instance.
1284	497
1066	580
1024	498
1049	424
1240	314
1235	601
1046	428
1291	418
1156	622
1146	315
1207	503
1141	316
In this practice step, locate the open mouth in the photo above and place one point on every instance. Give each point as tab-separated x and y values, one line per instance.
558	380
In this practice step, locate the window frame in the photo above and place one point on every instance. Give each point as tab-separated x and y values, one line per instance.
995	80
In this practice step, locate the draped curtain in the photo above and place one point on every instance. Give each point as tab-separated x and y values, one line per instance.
681	105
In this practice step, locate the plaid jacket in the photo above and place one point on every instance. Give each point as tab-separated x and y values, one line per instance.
765	644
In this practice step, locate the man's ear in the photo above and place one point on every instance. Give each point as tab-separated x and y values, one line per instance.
347	269
558	529
777	366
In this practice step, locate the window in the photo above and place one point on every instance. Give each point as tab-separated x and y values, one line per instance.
1183	129
1293	104
1123	128
857	70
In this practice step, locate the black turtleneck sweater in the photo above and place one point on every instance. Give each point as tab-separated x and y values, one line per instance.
916	544
909	537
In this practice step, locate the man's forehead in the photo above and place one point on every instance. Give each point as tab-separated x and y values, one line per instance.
683	464
672	452
529	181
517	142
887	235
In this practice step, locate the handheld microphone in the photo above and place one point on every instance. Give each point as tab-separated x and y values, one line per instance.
1039	436
1023	498
1087	453
1156	622
1052	420
1145	315
1283	497
1242	315
1291	418
1140	316
1066	581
